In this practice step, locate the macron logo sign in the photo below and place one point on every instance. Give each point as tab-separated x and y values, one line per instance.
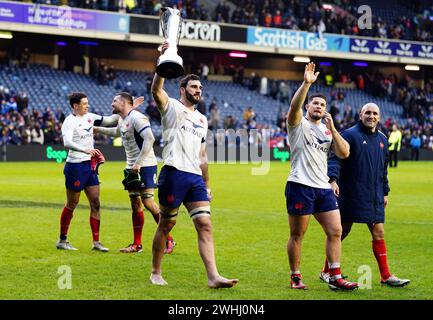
360	46
200	31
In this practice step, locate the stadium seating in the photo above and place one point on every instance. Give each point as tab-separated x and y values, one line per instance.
48	87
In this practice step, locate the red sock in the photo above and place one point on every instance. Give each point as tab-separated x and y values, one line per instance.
379	250
65	221
334	270
137	223
326	266
94	225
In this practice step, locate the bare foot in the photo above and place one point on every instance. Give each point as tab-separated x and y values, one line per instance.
157	280
221	282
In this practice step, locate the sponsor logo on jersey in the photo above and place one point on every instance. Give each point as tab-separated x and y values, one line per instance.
196	125
88	130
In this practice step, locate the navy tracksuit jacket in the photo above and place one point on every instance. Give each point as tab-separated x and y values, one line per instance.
363	176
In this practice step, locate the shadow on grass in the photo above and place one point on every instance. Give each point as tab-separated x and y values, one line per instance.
36	204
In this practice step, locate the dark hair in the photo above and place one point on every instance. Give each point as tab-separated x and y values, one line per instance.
184	81
126	96
75	98
316	95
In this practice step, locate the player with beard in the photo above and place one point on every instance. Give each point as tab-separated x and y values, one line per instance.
184	177
308	191
141	165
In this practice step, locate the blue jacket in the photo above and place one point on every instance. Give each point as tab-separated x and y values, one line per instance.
363	176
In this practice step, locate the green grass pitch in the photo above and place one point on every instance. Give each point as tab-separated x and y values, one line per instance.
250	233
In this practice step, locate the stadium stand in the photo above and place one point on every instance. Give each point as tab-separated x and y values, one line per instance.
45	91
408	20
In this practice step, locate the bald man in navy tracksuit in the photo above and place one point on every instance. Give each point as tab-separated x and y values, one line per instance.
360	183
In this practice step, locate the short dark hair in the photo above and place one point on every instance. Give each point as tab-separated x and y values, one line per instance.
184	81
75	98
316	95
127	97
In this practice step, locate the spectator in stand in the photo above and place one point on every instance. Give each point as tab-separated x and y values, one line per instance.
24	58
37	134
415	144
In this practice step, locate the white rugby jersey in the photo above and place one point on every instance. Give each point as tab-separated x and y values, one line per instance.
77	133
132	129
309	146
183	132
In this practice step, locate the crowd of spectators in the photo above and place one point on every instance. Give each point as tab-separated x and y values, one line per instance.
331	16
21	126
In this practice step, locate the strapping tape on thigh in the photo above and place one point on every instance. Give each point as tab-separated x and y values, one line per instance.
168	215
147	195
134	194
199	212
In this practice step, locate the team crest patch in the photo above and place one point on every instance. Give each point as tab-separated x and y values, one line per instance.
328	133
89	120
77	183
201	120
298	206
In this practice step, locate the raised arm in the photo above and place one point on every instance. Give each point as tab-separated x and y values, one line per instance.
294	115
158	92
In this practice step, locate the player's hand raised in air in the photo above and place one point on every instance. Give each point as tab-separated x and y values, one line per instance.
137	102
163	47
309	75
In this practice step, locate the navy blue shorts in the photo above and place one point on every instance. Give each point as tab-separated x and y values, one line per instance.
303	200
79	176
176	187
148	177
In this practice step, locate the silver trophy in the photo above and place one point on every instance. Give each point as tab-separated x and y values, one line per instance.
170	65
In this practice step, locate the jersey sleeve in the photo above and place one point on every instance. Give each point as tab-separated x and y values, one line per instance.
68	128
142	127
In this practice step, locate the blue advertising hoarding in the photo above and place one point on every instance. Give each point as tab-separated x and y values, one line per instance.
391	48
63	17
289	39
